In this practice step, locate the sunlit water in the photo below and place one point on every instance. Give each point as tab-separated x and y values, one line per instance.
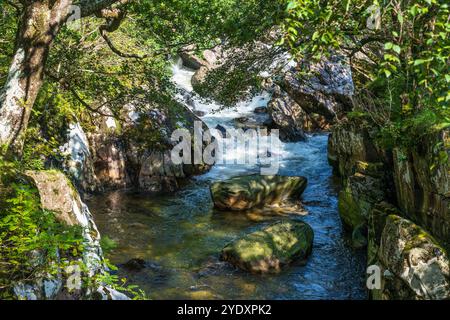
180	235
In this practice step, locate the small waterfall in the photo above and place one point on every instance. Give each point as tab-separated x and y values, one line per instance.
215	116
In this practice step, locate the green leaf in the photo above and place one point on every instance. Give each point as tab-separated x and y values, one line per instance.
396	48
418	62
292	5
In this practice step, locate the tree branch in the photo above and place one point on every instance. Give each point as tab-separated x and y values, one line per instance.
114	18
90	7
66	85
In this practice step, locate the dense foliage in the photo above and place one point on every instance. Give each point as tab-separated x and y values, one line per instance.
398	49
32	242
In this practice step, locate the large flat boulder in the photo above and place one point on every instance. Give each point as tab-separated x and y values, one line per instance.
269	249
246	192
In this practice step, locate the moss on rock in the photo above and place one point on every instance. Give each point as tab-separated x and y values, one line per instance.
415	257
245	192
269	249
349	210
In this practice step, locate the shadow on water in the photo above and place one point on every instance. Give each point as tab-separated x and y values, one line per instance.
180	237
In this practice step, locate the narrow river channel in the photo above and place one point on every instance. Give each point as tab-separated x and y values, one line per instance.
180	235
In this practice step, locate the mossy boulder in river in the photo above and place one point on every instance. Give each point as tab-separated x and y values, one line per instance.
245	192
269	249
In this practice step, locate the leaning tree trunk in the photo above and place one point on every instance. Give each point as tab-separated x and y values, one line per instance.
40	22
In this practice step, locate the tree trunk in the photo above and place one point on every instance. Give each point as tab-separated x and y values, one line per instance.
40	23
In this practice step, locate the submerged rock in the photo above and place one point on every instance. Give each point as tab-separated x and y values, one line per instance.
269	249
199	113
135	264
260	110
257	121
245	192
222	130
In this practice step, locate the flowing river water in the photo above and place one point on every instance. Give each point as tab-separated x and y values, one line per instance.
180	235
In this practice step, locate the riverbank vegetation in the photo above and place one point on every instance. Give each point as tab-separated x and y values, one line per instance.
399	52
64	62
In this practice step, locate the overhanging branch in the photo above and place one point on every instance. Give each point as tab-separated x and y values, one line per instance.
66	85
91	7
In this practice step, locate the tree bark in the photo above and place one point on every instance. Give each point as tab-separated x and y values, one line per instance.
40	23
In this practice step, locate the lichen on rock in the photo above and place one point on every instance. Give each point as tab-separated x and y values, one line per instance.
416	258
271	248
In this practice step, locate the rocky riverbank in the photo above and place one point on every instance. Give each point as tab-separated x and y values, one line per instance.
396	201
81	276
130	152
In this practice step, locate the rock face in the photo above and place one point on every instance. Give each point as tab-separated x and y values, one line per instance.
211	59
400	199
110	164
328	92
59	196
363	169
199	76
287	116
79	163
416	259
361	191
268	250
158	173
298	104
192	62
301	105
349	142
412	179
133	155
422	183
245	192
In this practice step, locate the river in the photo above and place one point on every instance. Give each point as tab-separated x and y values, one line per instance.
180	235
